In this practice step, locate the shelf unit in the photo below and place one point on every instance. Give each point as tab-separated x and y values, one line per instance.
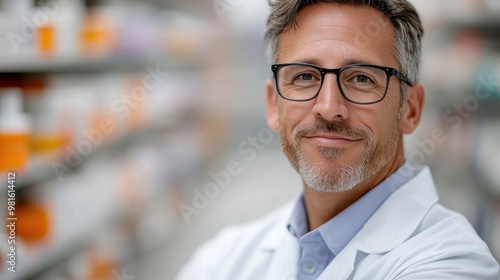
79	65
462	44
40	169
47	257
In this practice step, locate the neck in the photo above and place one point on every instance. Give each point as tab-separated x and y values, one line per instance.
322	207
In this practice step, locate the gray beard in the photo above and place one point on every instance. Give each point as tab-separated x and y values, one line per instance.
333	178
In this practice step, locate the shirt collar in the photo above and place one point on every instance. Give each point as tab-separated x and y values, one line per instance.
298	223
338	231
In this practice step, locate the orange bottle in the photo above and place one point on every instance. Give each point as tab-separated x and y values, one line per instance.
14	132
102	264
33	221
97	35
46	40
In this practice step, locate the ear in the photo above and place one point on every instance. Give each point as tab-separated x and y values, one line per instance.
272	113
413	107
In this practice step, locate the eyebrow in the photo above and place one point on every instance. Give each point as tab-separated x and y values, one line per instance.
343	64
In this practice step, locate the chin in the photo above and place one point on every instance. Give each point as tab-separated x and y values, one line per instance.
331	176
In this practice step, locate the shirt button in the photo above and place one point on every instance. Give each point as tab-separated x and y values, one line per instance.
309	268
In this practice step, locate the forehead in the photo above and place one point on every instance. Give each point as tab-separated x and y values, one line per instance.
333	35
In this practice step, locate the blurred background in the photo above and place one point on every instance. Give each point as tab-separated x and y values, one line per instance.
136	129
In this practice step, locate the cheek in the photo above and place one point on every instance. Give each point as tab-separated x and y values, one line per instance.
387	122
393	98
293	114
388	109
379	119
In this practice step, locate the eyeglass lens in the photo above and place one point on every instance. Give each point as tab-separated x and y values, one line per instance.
360	84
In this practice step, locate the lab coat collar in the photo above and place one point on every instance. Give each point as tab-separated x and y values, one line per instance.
283	246
387	228
280	229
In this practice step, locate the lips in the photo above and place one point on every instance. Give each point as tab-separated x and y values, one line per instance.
332	139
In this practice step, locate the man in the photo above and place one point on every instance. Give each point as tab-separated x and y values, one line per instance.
345	89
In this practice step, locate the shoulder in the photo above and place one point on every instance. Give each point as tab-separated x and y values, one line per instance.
441	222
445	232
443	245
446	242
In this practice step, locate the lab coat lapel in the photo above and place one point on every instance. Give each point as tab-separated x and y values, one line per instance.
396	220
390	226
342	265
283	249
284	260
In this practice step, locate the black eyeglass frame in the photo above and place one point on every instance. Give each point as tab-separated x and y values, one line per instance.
337	71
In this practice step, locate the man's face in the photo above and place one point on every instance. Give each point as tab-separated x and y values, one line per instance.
335	144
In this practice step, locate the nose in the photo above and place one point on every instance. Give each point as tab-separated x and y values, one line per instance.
330	104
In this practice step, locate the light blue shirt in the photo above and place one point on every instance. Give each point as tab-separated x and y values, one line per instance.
320	246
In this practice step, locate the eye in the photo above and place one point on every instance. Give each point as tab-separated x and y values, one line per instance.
305	77
299	75
362	79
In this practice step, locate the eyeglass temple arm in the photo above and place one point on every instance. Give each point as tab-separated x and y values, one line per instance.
401	76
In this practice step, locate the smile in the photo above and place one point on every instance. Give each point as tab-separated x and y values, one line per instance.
331	140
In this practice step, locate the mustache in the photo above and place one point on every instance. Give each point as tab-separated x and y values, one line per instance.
338	127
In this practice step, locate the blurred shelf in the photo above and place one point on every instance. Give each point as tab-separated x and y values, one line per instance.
491	181
486	23
109	212
53	254
488	19
114	63
40	168
486	160
51	258
47	256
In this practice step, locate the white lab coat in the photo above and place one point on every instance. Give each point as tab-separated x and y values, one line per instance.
410	237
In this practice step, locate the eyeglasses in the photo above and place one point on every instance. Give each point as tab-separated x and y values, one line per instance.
358	83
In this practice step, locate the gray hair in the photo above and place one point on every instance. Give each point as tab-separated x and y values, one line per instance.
401	13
